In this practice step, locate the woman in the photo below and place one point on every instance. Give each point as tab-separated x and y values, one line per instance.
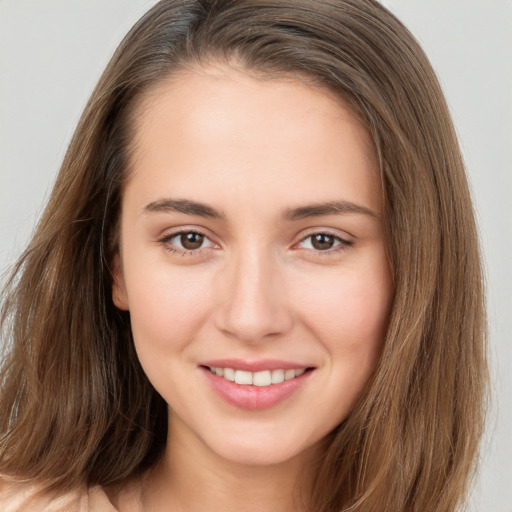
257	276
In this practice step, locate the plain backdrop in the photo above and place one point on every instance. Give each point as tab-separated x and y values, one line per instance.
52	53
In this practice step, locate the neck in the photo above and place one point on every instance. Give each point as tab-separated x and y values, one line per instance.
191	478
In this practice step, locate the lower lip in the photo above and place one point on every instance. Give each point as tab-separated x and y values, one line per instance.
254	398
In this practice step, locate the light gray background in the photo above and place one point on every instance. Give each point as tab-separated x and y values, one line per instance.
52	53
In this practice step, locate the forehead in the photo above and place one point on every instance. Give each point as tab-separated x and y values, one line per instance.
216	125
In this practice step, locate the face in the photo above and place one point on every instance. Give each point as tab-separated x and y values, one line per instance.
252	260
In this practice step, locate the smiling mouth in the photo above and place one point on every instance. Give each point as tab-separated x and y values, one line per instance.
261	378
272	382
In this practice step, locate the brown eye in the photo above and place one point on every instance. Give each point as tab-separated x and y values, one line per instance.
322	241
187	242
191	241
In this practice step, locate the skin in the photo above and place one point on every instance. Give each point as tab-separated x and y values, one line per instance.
256	288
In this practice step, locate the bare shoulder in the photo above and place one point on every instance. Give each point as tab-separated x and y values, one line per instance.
17	495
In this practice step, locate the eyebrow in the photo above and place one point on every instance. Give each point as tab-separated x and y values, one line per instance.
329	208
292	214
183	206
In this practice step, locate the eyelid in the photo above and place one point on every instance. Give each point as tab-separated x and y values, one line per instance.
345	240
165	239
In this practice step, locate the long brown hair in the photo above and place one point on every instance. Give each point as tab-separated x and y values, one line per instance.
75	404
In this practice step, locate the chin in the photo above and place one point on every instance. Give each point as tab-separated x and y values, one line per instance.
260	450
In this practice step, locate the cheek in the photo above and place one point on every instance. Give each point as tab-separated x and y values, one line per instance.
348	312
167	306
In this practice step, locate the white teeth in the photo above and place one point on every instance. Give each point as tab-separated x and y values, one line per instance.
289	374
277	376
242	377
229	374
262	378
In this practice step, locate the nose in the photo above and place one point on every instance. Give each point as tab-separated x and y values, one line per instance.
252	305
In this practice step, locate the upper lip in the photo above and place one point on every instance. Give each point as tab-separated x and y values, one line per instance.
255	365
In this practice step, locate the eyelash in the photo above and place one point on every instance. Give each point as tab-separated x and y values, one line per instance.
166	242
341	243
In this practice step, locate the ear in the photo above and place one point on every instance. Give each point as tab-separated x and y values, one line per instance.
119	295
